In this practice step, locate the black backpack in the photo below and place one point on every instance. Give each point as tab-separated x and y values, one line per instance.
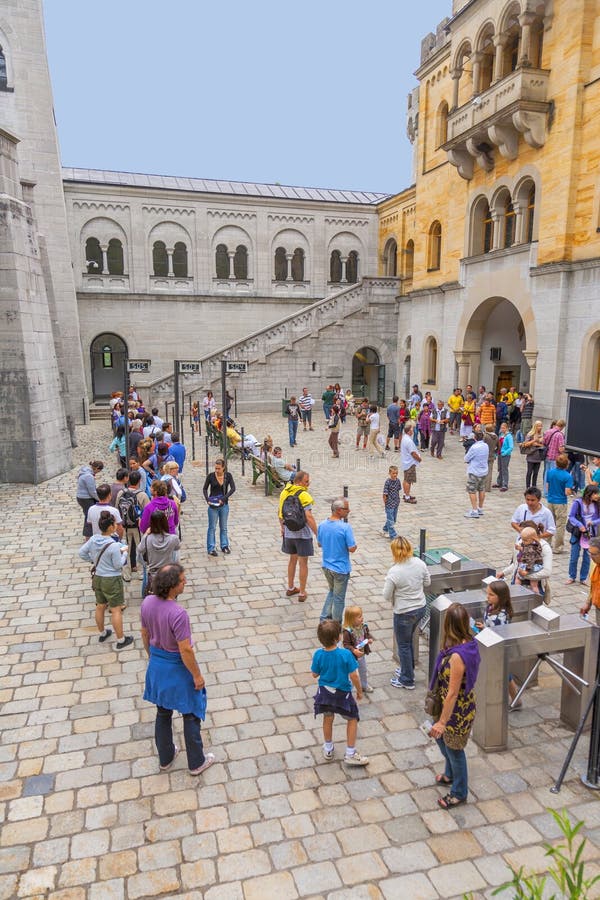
129	509
292	512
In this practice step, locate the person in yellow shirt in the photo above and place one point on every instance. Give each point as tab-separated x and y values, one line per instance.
455	401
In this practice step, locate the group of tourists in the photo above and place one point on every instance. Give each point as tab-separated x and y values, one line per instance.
133	530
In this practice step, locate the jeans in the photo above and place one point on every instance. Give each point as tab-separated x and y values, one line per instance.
578	476
307	417
548	465
292	429
390	520
405	625
333	608
503	464
532	474
163	735
220	514
456	769
574	559
327	410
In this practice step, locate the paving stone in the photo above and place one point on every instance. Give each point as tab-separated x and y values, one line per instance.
25	808
361	867
230	891
37	881
288	854
280	884
47	852
80	871
197	874
456	878
112	889
314	878
237	866
117	865
162	881
199	846
92	843
38	784
416	886
521	832
159	856
233	840
494	869
14	859
28	831
455	846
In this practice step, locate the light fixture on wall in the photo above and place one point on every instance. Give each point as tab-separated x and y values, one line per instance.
495	354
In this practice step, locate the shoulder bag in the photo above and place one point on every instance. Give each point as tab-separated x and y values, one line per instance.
99	557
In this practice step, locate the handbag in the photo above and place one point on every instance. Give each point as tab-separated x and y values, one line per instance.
94	567
433	702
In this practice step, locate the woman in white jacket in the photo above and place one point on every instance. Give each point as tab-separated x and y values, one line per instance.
404	587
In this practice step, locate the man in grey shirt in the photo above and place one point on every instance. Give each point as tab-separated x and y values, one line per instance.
476	458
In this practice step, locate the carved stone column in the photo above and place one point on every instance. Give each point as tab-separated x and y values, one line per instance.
476	59
499	44
288	271
231	255
170	251
344	260
455	76
496	218
104	270
519	237
531	357
526	20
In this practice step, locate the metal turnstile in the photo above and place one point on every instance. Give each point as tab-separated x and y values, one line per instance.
502	648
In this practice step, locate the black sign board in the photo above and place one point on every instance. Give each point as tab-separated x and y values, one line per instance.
583	422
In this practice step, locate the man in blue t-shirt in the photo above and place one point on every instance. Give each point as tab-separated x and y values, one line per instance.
336	539
559	485
393	414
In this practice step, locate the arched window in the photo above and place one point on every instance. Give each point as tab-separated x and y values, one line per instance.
431	353
509	223
482	228
536	43
298	265
160	261
335	267
352	267
180	260
529	215
280	264
487	230
390	257
486	66
240	262
3	73
435	247
114	257
93	256
442	124
510	56
222	261
409	260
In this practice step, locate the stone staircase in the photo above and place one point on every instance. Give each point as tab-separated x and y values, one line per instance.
285	338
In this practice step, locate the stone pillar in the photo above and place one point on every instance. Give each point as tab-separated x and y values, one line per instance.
526	20
496	218
170	251
288	270
519	209
531	357
344	260
476	60
455	76
468	367
104	270
499	44
231	255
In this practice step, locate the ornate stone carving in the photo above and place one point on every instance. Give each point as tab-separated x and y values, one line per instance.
228	215
290	220
98	204
506	139
168	210
463	161
532	126
346	223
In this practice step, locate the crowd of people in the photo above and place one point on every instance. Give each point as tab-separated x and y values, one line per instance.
133	530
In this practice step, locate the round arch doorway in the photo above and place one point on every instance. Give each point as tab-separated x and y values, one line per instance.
107	358
368	375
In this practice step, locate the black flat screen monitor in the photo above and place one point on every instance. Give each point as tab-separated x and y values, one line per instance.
583	422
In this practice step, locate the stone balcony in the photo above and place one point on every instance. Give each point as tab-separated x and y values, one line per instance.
173	284
495	119
103	282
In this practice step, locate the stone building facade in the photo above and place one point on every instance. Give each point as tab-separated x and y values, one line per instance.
497	244
171	267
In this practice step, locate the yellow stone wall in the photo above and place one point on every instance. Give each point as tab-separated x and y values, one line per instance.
568	165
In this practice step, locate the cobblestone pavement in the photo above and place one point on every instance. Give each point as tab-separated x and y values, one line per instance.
85	811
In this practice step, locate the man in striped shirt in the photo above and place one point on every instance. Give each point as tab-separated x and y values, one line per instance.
306	403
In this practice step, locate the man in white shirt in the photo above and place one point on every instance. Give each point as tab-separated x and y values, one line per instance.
306	403
533	510
409	460
93	513
476	458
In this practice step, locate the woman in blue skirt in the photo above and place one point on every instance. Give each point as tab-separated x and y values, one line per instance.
173	677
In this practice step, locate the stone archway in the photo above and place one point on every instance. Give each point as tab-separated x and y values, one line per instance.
496	343
368	375
107	360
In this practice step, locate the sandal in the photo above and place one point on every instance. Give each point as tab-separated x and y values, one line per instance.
442	779
291	591
301	598
449	801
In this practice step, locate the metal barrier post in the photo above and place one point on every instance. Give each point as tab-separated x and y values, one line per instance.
206	448
193	444
243	451
422	538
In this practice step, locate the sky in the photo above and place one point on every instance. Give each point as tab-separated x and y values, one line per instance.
309	93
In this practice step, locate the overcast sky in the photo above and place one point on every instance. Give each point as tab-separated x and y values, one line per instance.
310	93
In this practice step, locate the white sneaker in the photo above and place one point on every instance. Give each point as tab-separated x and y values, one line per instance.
472	514
356	760
168	766
480	511
328	754
208	761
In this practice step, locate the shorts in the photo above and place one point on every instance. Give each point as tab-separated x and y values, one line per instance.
298	546
476	483
393	431
330	702
410	475
108	590
363	429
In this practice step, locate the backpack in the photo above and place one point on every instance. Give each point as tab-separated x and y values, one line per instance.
129	510
292	512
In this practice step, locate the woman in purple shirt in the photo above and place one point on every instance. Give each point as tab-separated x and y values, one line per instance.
173	677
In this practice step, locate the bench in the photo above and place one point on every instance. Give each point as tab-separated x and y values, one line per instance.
216	439
273	478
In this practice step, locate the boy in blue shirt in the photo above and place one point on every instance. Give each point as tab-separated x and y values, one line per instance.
336	668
